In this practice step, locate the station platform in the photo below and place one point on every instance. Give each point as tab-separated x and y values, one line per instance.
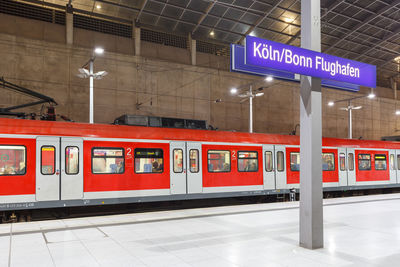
358	231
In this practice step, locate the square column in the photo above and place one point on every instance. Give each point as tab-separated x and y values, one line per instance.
193	49
393	83
69	25
136	36
311	210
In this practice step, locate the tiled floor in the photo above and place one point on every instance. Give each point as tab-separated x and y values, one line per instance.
359	231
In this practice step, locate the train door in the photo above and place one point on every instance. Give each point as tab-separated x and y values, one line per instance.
280	170
178	167
392	166
351	170
47	168
397	165
268	169
193	163
342	167
71	168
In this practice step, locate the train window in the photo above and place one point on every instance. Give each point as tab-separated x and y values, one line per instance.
268	161
295	161
178	160
392	167
149	160
364	162
328	161
12	160
71	160
350	163
280	161
219	161
342	161
48	160
194	160
247	161
380	162
108	160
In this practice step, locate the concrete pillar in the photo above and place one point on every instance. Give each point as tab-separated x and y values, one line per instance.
136	35
69	25
311	211
393	83
193	49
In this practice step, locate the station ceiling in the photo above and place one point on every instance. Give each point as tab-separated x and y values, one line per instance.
362	30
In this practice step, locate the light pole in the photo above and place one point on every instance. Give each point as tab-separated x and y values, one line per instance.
350	109
84	73
250	95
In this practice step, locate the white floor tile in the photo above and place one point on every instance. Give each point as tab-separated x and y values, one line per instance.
88	234
60	236
4	250
71	253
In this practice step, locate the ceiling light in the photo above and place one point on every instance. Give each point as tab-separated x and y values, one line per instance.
212	33
331	103
99	50
288	20
98	6
397	59
252	33
259	94
397	112
269	79
234	91
371	95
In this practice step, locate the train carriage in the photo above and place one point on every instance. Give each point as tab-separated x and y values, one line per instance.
58	164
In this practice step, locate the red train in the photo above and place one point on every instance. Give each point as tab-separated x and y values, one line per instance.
58	164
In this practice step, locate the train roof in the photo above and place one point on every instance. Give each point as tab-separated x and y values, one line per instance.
56	128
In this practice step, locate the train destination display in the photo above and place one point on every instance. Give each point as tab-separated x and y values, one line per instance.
265	53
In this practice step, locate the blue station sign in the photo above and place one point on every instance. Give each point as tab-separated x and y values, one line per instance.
268	54
237	64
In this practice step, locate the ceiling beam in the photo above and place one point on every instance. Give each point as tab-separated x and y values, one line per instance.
397	31
202	17
365	21
144	3
261	19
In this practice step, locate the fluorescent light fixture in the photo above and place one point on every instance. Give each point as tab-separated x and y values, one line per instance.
99	50
331	103
269	79
358	107
234	91
397	112
260	94
371	95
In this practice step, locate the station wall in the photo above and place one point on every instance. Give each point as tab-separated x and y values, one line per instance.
162	82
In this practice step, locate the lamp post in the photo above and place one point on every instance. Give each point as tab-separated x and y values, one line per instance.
250	94
84	73
350	109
